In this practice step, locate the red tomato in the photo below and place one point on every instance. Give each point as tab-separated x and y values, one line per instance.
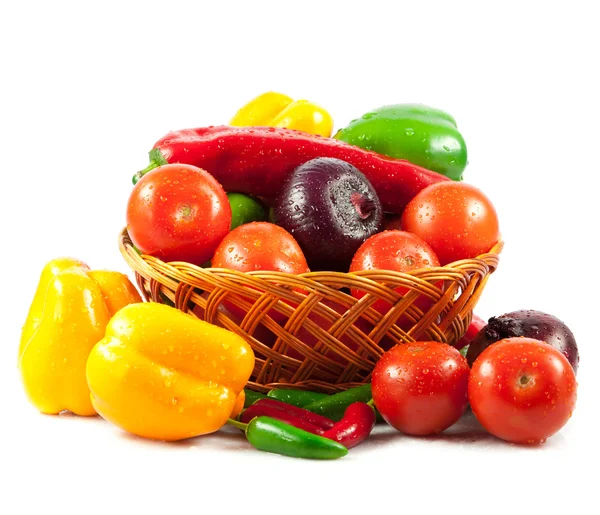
399	251
456	219
178	212
476	325
522	390
421	388
260	246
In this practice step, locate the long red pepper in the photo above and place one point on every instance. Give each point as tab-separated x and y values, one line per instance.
256	160
355	427
313	418
269	411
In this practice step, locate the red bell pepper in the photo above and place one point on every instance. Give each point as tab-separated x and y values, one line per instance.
256	160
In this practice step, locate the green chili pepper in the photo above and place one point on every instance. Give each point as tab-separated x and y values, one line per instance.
420	134
270	435
252	397
245	209
298	398
334	406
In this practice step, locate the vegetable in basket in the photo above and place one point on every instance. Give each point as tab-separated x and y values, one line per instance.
246	209
68	315
273	109
421	134
457	220
178	213
163	374
256	160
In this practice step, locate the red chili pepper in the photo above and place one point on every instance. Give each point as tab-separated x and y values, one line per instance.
313	418
257	410
355	427
256	160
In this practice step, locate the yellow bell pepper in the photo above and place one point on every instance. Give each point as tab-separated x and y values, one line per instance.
163	374
69	313
273	109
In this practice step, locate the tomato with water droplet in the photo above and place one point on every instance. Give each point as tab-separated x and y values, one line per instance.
522	390
421	388
178	212
456	219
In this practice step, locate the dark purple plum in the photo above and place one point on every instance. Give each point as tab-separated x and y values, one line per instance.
331	209
529	324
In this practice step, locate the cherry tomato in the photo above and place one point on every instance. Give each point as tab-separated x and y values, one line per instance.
522	390
178	212
477	323
421	388
260	246
456	219
399	251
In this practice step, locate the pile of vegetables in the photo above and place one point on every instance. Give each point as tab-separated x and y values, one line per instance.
274	191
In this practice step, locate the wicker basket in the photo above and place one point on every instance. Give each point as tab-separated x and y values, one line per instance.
307	331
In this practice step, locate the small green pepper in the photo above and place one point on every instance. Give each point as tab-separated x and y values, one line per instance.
252	397
420	134
245	209
334	406
298	398
270	435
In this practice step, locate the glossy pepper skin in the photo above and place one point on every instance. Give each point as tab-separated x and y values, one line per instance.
273	109
271	435
163	374
68	316
309	416
257	160
251	397
355	427
258	410
298	398
334	406
421	134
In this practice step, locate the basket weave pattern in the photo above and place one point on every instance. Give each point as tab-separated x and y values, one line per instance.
320	337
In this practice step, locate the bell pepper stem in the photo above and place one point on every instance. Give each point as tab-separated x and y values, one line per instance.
156	160
237	423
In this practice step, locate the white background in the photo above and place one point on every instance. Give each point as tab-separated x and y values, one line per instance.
86	91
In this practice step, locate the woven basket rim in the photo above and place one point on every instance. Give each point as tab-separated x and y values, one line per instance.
131	255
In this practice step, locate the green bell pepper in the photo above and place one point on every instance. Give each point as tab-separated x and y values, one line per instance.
420	134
